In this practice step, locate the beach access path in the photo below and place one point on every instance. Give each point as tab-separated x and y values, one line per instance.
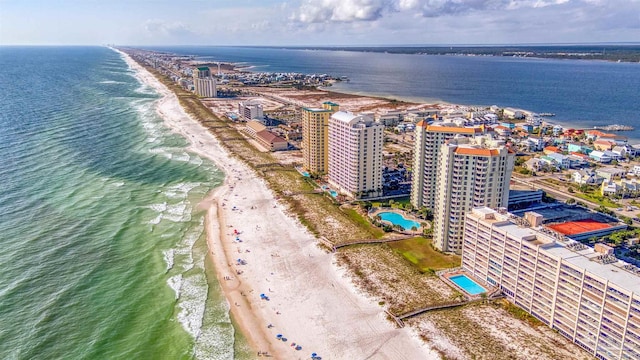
311	301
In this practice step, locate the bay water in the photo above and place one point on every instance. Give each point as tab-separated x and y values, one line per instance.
581	93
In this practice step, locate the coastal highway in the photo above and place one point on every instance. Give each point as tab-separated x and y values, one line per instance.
558	194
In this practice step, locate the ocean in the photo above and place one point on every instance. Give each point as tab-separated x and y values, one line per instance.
103	253
581	93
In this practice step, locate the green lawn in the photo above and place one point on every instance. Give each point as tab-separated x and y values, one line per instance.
421	254
402	201
364	223
597	199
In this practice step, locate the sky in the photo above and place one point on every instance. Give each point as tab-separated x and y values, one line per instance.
317	22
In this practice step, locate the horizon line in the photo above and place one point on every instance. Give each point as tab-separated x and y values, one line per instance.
622	43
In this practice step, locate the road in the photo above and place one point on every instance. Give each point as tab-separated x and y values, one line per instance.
563	195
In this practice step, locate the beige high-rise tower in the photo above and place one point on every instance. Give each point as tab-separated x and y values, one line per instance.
315	137
429	139
204	84
471	172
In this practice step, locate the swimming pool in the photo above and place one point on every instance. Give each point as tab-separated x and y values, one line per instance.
397	219
305	174
468	285
333	193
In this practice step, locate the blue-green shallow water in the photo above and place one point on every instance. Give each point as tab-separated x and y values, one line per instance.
102	254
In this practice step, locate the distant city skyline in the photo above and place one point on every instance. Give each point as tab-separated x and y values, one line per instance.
317	22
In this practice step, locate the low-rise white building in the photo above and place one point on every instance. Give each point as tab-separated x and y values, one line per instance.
584	293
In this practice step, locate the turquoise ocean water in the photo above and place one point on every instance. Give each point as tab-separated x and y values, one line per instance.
102	252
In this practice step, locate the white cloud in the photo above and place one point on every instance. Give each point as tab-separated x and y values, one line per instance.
340	11
155	27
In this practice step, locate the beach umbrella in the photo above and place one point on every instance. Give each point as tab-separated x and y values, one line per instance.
279	336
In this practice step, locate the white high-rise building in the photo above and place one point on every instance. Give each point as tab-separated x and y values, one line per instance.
355	155
472	172
251	109
584	293
203	83
429	139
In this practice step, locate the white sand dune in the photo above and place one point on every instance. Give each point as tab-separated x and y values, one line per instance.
311	302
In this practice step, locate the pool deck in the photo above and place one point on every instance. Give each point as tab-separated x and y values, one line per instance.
445	276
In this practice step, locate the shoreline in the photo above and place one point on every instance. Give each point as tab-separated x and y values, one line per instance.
307	292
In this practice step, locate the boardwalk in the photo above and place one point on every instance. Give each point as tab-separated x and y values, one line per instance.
371	241
399	318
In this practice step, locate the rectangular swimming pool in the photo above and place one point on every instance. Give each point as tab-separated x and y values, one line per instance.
468	285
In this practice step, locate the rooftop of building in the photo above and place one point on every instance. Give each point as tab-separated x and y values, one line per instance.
351	118
255	125
316	110
270	137
611	170
477	151
446	127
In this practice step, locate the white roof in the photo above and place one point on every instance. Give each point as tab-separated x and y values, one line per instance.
350	118
614	272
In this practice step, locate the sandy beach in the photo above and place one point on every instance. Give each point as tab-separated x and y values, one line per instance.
257	248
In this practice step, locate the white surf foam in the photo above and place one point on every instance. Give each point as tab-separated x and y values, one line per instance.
111	82
156	220
158	207
192	301
175	283
168	258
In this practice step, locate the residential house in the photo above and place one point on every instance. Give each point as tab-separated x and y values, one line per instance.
600	157
611	173
615	139
578	147
502	130
576	161
535	143
610	188
594	134
527	127
621	151
551	149
562	161
586	177
557	130
614	156
602	144
535	164
511	113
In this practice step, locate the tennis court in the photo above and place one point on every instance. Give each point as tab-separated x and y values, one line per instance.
578	226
